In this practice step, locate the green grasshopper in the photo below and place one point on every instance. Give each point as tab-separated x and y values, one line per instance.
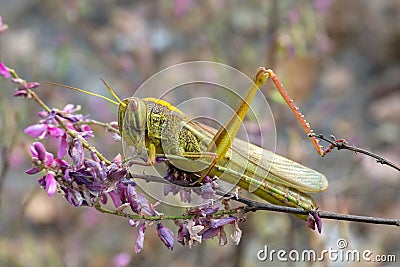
153	128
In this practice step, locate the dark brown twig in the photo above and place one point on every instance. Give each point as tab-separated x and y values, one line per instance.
252	206
342	144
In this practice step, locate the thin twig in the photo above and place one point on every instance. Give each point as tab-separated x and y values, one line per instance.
71	133
162	216
252	205
342	144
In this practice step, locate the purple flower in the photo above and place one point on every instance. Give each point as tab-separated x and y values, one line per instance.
310	222
60	163
32	85
219	232
140	238
54	131
313	220
51	184
40	155
104	199
19	93
115	173
215	223
86	130
43	114
318	221
3	69
39	152
96	169
33	170
183	233
166	235
215	227
48	126
210	233
85	177
73	197
62	149
41	131
204	211
70	119
77	153
115	197
23	86
126	193
138	202
36	130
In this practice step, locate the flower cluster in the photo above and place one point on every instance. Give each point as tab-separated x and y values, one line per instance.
23	86
205	224
82	180
201	228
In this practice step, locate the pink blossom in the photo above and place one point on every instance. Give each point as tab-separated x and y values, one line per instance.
166	235
36	130
38	151
62	149
41	131
4	70
140	238
51	184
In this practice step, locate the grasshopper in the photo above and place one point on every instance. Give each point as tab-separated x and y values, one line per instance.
152	129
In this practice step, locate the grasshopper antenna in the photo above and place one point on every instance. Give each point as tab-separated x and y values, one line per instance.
93	94
112	92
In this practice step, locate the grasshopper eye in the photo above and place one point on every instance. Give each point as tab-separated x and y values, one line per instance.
133	105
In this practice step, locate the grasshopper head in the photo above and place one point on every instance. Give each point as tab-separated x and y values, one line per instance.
132	119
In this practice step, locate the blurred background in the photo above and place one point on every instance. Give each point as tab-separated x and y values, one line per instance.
339	60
